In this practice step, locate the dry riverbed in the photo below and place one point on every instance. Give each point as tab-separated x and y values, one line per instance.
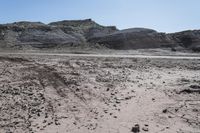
66	94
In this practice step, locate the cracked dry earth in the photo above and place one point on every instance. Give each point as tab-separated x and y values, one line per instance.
51	94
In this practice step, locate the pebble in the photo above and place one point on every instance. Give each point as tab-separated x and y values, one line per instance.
145	129
136	128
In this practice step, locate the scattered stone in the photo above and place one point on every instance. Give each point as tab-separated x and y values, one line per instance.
145	129
195	110
136	128
164	111
195	86
118	102
106	111
169	116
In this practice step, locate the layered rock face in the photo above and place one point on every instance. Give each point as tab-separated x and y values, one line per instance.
188	39
36	34
70	33
57	34
135	38
87	28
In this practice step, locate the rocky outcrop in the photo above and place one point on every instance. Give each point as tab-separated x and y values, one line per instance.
188	39
86	28
66	33
33	34
135	38
70	33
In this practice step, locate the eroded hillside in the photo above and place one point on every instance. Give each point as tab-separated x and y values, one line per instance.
87	33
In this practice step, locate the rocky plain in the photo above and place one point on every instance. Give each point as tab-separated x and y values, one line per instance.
81	77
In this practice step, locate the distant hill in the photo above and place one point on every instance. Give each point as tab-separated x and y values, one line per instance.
76	33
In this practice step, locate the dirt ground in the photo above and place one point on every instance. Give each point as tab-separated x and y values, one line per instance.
53	94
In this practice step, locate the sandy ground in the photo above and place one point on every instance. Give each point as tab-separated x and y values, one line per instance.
66	94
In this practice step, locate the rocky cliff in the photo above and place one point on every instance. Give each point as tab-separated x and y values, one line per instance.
70	33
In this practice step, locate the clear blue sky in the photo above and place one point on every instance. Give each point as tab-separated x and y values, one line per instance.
161	15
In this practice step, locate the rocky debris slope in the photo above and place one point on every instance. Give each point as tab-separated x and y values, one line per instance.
70	33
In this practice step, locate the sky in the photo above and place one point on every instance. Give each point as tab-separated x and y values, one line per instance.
161	15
